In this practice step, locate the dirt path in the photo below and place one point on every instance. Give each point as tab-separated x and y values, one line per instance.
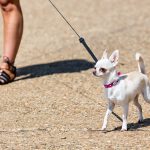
56	103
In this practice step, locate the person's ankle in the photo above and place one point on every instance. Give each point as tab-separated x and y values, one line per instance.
7	60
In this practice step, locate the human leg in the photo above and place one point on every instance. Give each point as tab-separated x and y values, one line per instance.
13	28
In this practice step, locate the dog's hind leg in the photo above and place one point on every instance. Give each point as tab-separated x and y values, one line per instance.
146	91
108	112
137	104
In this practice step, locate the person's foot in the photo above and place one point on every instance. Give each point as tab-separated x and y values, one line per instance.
7	72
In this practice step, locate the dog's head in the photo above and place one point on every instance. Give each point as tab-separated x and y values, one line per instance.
105	65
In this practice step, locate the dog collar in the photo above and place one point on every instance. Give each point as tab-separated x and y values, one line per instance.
114	83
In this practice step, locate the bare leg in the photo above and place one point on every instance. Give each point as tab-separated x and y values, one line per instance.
13	28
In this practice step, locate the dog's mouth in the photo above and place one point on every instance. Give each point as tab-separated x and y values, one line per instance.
102	71
94	72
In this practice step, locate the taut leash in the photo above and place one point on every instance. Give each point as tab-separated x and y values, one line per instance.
81	39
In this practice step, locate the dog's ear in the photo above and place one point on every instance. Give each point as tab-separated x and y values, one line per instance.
114	57
104	54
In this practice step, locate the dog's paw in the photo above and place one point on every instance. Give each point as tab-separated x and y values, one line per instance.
103	129
123	129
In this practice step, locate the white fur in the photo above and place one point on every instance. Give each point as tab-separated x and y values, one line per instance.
129	87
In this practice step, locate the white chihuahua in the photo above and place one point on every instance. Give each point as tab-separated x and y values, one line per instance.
122	88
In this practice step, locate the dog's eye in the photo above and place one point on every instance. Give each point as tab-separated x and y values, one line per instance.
103	70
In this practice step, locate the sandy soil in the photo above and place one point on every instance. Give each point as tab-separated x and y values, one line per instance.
55	102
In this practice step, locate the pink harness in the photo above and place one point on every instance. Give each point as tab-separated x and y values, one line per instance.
113	83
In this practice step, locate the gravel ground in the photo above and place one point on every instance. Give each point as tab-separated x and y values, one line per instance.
55	102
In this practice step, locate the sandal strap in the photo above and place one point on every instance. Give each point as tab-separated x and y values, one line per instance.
4	76
7	73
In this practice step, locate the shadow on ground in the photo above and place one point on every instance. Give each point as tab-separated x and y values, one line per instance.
131	127
65	66
137	126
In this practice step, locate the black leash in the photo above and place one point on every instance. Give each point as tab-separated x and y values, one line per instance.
81	39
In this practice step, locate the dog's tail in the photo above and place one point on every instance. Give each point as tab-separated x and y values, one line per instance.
140	61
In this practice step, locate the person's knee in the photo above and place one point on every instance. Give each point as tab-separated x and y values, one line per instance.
9	5
4	2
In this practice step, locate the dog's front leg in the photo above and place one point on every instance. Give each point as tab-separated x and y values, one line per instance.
108	112
124	117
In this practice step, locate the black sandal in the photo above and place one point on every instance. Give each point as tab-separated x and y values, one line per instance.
7	72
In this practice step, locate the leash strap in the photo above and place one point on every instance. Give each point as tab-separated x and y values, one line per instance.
64	18
81	41
88	49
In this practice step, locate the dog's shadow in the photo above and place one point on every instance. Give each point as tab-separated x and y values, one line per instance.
138	126
58	67
131	127
135	126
